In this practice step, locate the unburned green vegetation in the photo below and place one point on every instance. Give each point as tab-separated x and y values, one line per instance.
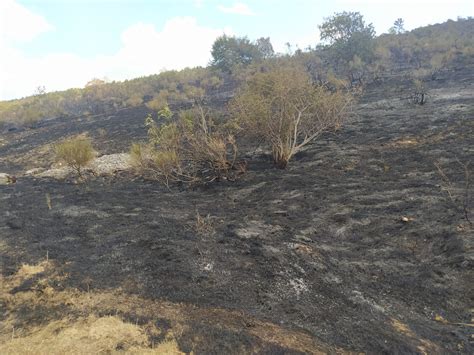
282	107
286	110
75	152
189	148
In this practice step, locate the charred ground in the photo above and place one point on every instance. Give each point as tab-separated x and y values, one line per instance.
355	247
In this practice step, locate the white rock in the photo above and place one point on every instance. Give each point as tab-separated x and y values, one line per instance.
34	171
108	164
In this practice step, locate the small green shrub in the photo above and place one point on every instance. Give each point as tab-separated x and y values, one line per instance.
137	155
287	111
186	150
162	165
158	101
76	152
134	101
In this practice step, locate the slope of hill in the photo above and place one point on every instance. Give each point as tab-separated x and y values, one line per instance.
363	244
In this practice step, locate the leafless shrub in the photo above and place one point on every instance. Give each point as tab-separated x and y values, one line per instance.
204	226
460	197
419	91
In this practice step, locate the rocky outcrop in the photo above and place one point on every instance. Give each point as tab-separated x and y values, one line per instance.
109	164
104	165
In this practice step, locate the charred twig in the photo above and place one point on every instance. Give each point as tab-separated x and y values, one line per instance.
464	196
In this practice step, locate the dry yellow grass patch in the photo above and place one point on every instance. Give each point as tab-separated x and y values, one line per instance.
3	246
404	143
85	336
90	335
30	270
29	327
414	141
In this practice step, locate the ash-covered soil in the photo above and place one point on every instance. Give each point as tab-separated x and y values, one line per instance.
357	246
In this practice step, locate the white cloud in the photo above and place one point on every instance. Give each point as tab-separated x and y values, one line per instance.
17	23
416	13
181	43
398	2
198	3
297	42
238	8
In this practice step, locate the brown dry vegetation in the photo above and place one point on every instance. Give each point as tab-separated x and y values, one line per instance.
41	318
287	111
80	331
188	150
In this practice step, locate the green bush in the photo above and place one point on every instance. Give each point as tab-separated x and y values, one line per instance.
76	152
186	150
285	109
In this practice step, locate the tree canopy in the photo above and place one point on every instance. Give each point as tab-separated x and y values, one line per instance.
398	27
229	51
348	35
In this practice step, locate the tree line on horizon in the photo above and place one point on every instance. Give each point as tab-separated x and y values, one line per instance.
349	56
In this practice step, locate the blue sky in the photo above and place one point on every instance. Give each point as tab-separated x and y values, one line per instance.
64	43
